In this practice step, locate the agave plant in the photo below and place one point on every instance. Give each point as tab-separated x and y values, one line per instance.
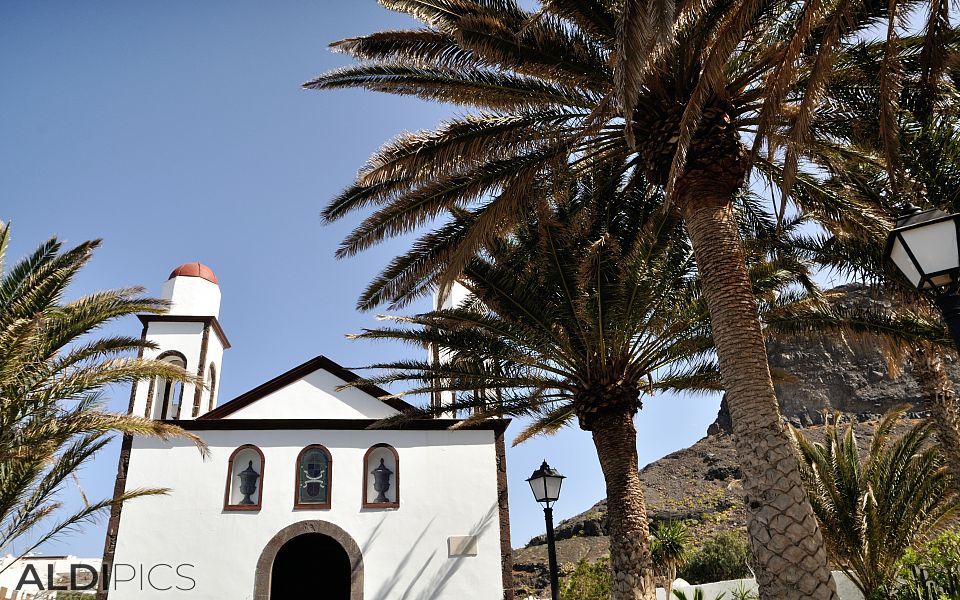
874	509
698	594
52	380
742	592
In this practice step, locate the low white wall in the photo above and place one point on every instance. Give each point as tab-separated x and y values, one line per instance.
845	588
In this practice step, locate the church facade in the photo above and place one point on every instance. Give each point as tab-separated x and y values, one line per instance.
302	492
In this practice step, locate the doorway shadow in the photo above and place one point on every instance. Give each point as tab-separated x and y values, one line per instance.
305	537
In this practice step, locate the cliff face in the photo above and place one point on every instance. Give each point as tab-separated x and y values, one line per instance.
835	373
701	484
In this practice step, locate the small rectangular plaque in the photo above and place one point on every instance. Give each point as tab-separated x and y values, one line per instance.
462	545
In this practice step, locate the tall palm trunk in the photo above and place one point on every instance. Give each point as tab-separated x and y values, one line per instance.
788	550
941	400
615	438
671	577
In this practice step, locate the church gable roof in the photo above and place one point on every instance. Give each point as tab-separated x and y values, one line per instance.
308	391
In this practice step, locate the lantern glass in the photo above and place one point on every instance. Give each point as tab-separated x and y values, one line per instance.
545	484
934	245
899	256
924	246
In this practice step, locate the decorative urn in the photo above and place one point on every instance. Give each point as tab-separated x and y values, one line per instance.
381	481
248	483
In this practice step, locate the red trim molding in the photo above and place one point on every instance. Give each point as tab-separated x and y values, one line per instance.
396	477
226	493
503	506
296	481
212	371
198	389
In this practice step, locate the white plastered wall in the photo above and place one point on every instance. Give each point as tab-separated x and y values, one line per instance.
192	296
448	488
454	298
315	396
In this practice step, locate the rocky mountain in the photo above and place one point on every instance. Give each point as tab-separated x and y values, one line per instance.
701	484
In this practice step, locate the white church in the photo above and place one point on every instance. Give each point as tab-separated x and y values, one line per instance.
300	496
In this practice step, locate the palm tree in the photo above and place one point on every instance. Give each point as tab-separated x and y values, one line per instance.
875	508
669	546
573	317
547	99
590	306
52	381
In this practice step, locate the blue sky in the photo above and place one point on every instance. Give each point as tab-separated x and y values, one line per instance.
177	131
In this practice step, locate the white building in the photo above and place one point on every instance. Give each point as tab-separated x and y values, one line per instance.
300	496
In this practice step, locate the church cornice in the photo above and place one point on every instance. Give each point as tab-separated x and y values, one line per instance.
206	320
201	424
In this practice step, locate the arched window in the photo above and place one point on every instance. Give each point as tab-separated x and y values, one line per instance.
381	477
166	395
213	387
244	479
314	474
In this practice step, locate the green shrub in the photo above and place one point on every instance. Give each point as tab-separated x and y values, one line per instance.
933	573
722	556
589	581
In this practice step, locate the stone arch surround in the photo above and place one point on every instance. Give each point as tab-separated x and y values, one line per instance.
261	582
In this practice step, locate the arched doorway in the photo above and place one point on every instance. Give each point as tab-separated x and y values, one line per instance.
298	554
308	564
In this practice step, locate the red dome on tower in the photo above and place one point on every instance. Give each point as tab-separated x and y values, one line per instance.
195	269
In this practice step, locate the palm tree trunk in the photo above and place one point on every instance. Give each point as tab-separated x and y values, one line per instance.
671	577
941	400
788	550
615	438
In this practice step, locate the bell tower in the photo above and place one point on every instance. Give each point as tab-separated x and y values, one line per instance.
445	299
188	335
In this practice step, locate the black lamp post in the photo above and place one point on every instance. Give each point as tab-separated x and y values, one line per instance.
545	483
925	246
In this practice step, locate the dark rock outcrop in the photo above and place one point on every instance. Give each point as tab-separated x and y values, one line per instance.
834	373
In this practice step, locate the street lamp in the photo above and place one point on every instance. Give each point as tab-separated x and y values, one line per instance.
545	483
925	246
